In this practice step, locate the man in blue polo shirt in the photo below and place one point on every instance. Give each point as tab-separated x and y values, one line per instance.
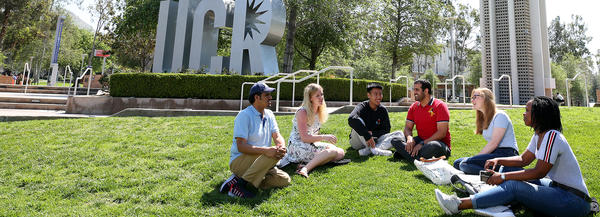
253	159
431	117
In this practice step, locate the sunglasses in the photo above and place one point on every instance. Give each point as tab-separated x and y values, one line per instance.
475	96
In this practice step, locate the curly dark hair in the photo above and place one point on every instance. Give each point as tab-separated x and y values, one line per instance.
545	114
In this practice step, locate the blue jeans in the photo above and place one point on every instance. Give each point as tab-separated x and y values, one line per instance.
472	165
546	199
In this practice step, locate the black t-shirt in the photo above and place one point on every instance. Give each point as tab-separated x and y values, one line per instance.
376	121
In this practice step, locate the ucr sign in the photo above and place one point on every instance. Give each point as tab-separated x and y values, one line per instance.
188	33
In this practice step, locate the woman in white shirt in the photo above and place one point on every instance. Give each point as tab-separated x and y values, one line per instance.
497	130
562	193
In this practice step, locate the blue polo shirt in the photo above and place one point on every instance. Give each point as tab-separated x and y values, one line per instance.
254	127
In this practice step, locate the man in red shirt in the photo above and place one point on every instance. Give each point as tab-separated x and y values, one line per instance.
431	117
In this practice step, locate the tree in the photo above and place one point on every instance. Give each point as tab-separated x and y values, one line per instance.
474	68
407	27
132	35
568	38
466	19
323	24
104	10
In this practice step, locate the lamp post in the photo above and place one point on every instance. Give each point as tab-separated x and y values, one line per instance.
452	65
82	59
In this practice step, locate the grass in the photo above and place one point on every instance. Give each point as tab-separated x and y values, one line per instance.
173	167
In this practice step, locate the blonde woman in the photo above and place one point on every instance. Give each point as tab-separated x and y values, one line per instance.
304	144
495	127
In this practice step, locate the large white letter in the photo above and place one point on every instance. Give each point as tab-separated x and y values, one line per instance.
258	26
210	15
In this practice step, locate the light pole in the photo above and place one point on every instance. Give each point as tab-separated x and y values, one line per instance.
452	65
82	59
509	87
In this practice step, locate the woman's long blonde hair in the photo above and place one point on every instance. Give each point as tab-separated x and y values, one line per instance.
483	119
309	90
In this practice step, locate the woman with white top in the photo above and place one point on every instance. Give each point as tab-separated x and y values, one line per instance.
497	130
562	193
304	145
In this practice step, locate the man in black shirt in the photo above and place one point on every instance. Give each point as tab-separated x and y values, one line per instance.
369	121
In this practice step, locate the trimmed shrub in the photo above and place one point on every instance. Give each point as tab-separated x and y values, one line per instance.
175	85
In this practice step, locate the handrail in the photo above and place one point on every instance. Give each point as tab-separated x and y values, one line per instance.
68	68
26	68
294	81
81	77
509	87
266	81
586	90
463	84
396	80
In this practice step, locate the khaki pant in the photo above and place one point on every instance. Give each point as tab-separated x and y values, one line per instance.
357	141
259	170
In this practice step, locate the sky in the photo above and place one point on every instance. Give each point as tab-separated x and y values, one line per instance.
587	9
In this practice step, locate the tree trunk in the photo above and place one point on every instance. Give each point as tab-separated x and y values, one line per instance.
314	53
288	57
394	63
4	25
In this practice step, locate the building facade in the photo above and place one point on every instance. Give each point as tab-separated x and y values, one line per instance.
514	39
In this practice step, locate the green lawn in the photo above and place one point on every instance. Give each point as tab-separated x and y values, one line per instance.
173	167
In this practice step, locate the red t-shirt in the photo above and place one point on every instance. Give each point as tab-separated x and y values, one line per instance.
426	118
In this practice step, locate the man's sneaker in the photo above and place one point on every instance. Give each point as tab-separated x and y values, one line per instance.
364	152
496	211
238	190
449	203
228	184
381	152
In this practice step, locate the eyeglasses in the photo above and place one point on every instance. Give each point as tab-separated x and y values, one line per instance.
474	97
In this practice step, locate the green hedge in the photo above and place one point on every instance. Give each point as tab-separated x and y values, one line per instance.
172	85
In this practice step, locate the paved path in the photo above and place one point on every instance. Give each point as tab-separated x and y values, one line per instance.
26	115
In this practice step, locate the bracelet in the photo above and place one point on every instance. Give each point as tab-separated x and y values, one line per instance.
502	177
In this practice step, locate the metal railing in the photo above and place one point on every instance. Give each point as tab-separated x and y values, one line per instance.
294	81
587	100
463	89
26	74
510	97
396	80
68	68
81	77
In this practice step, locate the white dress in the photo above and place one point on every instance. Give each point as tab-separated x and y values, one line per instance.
301	152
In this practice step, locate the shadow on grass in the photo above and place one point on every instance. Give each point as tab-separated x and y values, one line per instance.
353	155
215	197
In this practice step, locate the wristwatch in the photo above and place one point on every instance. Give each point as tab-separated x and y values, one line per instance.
502	176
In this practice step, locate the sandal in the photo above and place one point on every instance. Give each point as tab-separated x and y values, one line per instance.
303	172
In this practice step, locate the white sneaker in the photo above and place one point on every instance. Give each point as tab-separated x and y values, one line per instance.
364	151
495	211
449	203
381	152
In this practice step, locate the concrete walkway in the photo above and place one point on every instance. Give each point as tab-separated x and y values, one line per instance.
27	115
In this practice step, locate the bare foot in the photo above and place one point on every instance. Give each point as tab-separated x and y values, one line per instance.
303	172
